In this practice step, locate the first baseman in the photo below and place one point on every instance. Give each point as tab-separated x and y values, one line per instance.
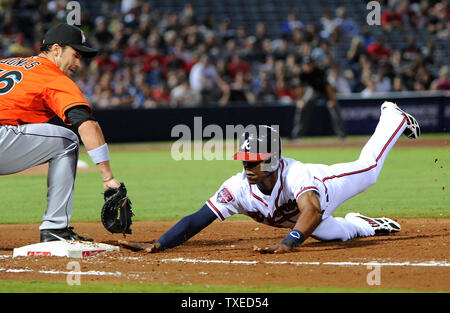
32	91
284	192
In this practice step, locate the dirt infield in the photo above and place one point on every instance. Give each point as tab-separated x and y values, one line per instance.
415	258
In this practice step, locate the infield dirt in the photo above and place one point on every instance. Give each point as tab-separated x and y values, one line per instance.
415	258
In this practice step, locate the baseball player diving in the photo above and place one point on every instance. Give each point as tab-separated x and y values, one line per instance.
283	192
32	91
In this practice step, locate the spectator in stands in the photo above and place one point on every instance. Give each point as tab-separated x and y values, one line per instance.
429	49
103	99
355	51
238	92
292	67
101	35
391	19
382	82
316	90
423	77
161	45
156	73
120	38
188	14
183	96
438	17
378	50
338	80
134	53
241	36
172	62
320	52
369	84
238	65
260	34
265	92
161	94
398	85
284	91
397	61
410	51
120	98
104	63
225	32
367	37
205	81
345	24
9	27
443	81
292	22
144	98
18	48
328	25
409	76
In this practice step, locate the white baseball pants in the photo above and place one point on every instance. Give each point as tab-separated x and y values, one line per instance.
345	180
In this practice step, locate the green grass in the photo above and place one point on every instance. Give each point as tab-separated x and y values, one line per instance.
412	184
12	286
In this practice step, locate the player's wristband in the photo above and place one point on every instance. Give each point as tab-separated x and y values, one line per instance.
100	154
293	239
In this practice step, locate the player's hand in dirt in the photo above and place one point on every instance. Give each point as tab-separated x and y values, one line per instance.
141	246
273	249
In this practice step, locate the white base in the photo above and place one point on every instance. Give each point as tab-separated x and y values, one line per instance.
64	248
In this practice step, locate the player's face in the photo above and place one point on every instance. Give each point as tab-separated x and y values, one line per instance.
254	172
69	60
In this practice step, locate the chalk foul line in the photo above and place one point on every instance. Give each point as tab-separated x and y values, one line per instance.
235	262
422	264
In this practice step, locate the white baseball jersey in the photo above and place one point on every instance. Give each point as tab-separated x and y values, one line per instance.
333	183
278	209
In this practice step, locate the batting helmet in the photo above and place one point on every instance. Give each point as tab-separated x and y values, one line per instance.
260	144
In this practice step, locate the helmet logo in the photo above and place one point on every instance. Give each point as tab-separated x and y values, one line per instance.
83	38
245	145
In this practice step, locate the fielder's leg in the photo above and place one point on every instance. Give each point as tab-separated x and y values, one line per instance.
22	147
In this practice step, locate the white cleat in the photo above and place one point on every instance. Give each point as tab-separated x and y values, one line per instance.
381	225
412	130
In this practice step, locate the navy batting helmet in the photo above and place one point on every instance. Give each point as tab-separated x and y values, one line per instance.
261	143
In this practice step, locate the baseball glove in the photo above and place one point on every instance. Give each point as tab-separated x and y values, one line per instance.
116	211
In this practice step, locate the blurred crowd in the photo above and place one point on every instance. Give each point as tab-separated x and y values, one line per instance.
153	58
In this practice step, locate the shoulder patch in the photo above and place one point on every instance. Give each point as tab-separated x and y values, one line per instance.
225	195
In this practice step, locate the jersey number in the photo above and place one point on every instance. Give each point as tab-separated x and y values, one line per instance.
8	80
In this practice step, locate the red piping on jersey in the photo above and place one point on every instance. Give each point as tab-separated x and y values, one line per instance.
281	184
306	188
379	156
215	209
279	191
392	137
251	191
326	189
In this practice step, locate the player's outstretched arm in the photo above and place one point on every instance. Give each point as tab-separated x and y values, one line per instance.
92	136
182	231
310	217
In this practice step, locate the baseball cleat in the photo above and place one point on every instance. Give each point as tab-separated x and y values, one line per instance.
381	225
412	130
61	234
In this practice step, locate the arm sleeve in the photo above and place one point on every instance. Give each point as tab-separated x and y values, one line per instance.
78	115
187	227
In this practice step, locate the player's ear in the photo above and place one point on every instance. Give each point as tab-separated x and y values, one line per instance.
56	50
